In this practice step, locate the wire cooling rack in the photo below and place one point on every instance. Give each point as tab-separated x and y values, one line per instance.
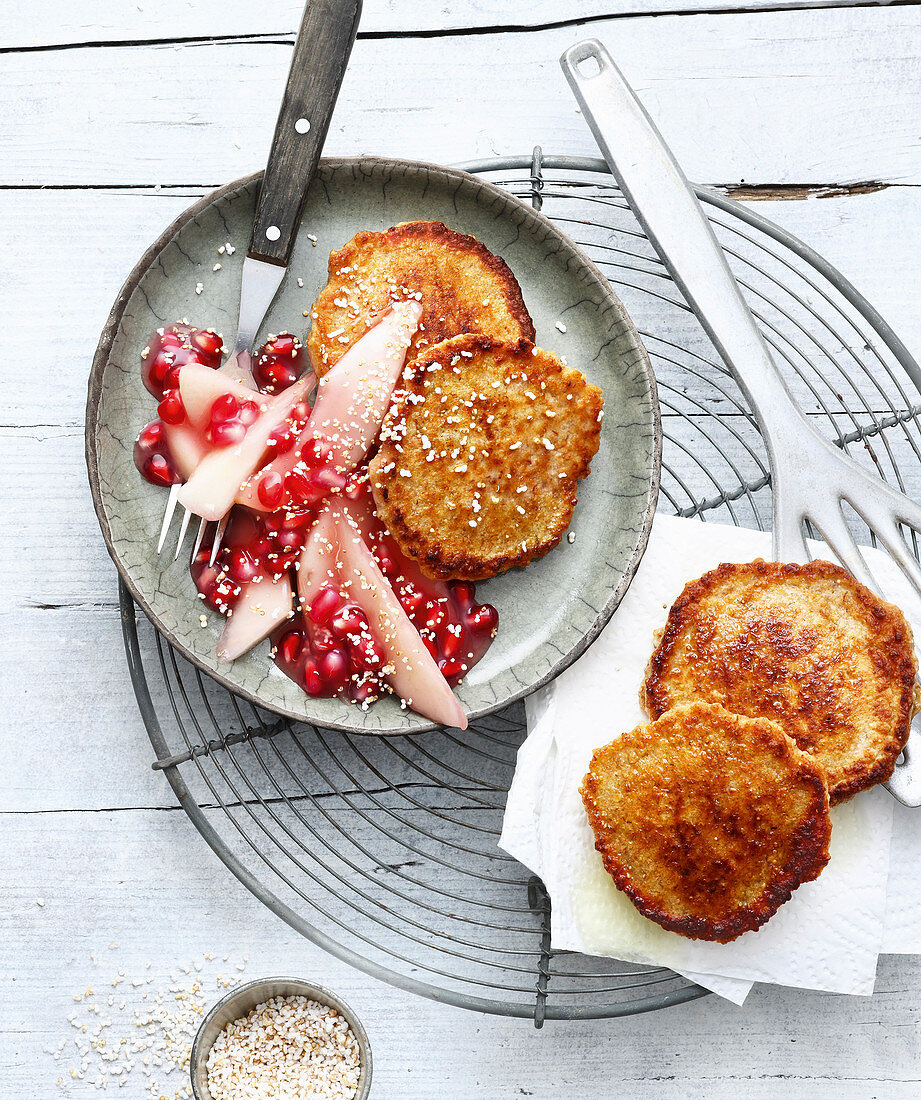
383	851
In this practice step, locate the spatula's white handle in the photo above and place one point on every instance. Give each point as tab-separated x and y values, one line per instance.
670	213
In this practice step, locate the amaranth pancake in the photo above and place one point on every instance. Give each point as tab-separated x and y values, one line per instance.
481	455
708	821
460	284
805	645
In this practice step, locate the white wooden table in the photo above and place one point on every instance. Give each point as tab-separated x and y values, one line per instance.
114	116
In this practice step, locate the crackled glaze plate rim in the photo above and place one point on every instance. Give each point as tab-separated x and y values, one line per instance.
92	425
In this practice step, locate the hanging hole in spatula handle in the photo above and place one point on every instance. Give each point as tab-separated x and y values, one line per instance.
321	53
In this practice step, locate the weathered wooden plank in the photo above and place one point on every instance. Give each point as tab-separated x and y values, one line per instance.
59	305
143	881
756	98
100	21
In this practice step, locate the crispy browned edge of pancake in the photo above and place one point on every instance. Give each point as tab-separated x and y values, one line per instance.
436	562
450	238
652	694
810	841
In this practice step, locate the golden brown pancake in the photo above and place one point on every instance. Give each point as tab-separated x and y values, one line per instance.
708	821
462	286
481	455
804	645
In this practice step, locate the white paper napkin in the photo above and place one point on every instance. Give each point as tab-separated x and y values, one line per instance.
830	933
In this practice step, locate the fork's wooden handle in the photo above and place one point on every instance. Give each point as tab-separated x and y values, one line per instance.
321	53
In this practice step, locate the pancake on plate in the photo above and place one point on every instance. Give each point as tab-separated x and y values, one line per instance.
481	455
708	821
804	645
462	286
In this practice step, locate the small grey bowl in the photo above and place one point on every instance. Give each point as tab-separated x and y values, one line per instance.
244	999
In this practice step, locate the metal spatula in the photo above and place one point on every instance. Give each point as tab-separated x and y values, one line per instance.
811	478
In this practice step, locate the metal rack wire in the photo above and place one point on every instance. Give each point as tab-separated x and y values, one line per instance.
383	851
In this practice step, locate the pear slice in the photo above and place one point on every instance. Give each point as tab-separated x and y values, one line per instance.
211	489
411	669
262	605
200	387
352	399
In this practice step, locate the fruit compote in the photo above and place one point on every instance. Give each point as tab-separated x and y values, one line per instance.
329	647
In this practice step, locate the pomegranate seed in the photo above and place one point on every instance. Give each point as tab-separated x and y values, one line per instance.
249	411
153	435
227	433
301	489
366	689
152	457
326	601
301	412
283	438
436	613
451	667
161	365
296	521
329	478
313	681
464	593
242	566
284	344
219	592
482	617
289	540
270	489
349	620
226	407
450	643
275	366
411	599
261	548
356	487
158	470
334	667
171	410
210	345
367	654
291	647
324	640
316	452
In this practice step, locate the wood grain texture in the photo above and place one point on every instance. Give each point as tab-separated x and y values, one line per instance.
805	102
100	21
792	97
144	881
67	294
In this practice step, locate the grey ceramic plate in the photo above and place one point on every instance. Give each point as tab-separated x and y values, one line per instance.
550	612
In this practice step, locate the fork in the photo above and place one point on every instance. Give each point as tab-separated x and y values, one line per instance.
321	52
811	477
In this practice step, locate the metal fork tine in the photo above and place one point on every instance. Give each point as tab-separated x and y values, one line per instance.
789	538
187	515
890	536
834	531
903	508
168	514
218	535
202	524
